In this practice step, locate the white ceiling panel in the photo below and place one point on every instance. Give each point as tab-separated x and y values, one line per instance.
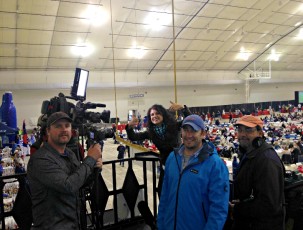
7	50
7	63
8	20
209	34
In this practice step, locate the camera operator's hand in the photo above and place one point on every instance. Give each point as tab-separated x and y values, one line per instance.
95	151
99	163
133	122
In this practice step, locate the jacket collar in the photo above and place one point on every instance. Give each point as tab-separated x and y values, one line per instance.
252	154
202	154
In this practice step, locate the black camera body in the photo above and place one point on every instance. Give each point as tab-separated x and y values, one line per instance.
81	115
93	125
95	133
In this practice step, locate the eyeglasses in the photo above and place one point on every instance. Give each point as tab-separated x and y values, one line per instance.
244	129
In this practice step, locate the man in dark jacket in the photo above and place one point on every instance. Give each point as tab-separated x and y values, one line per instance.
121	153
259	183
294	152
56	175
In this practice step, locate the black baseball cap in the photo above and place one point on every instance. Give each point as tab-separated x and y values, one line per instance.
56	117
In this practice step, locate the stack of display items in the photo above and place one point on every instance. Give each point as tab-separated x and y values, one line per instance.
10	191
11	163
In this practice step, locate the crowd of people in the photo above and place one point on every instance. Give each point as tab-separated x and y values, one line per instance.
259	142
194	184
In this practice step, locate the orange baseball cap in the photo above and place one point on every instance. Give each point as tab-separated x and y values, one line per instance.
250	121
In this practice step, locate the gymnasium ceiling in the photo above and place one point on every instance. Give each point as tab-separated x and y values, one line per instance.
209	35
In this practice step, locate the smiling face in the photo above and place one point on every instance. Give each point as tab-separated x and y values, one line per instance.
155	117
192	139
59	134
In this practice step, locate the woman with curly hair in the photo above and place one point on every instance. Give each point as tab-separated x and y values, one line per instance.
162	130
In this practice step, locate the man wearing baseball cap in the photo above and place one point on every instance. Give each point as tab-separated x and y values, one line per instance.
56	175
259	183
195	190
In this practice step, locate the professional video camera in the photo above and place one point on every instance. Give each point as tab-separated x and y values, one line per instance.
81	115
92	125
98	132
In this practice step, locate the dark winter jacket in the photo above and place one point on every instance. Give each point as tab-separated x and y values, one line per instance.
295	155
121	151
55	180
165	146
259	185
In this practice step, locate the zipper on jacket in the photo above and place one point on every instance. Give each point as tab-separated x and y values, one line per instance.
177	199
180	177
204	213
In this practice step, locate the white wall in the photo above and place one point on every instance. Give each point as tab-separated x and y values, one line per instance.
28	102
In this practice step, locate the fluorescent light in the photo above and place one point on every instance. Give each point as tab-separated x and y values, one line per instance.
82	49
137	52
244	54
95	15
269	44
300	34
274	56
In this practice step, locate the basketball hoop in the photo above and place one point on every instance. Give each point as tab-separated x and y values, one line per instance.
256	73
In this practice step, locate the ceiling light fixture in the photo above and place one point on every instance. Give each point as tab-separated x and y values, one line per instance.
82	50
300	34
244	54
95	15
268	45
137	51
273	56
297	24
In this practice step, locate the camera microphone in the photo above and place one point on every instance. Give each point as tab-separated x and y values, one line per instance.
90	105
100	105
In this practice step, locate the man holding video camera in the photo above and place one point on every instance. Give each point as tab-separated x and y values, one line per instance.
55	176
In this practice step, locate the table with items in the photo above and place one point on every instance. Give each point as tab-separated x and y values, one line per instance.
12	176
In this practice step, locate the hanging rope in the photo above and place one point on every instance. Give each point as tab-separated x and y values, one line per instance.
138	89
141	148
174	51
114	68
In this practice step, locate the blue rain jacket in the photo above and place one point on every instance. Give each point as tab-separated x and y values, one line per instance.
197	196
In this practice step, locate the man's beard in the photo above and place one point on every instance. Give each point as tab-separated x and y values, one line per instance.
62	142
245	147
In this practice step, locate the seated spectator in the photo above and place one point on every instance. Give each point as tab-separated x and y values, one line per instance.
294	153
300	146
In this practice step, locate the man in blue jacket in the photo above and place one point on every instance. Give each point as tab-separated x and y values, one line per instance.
195	190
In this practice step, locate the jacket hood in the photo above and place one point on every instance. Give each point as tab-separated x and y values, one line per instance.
207	150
